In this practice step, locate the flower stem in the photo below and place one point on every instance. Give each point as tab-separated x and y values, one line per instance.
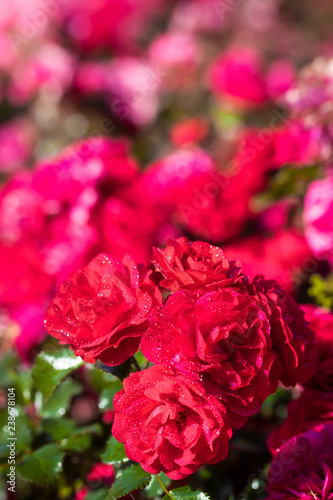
164	488
136	364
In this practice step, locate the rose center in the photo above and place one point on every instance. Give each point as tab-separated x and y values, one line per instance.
181	417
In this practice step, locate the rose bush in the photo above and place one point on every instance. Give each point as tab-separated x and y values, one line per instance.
128	131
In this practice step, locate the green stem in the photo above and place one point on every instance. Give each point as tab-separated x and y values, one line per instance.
164	488
136	364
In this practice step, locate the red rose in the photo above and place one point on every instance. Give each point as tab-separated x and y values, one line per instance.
186	264
168	423
82	493
303	467
206	201
101	472
85	164
130	225
237	75
221	338
102	309
189	131
308	411
292	339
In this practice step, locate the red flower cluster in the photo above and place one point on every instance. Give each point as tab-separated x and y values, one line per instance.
220	343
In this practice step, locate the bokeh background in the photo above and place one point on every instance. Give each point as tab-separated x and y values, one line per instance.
124	123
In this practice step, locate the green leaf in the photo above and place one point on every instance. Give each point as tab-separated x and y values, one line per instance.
58	428
51	368
185	493
141	359
276	404
107	395
114	452
60	400
99	379
23	433
224	119
43	466
322	290
154	488
290	180
80	440
7	362
120	371
22	380
129	479
100	494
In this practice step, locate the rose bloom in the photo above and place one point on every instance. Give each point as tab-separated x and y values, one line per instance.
274	218
187	186
295	144
280	76
85	164
168	423
208	202
129	224
189	132
177	54
175	49
99	473
193	265
176	178
318	217
303	467
102	309
308	411
237	76
97	26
